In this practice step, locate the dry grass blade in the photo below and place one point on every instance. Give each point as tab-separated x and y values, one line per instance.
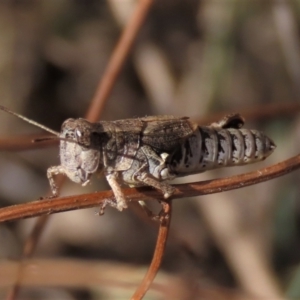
37	208
165	220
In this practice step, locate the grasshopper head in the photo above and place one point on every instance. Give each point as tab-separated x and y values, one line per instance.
77	155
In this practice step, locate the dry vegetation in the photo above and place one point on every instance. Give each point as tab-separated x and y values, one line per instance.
197	58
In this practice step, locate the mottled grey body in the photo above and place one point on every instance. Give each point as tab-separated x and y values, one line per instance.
151	150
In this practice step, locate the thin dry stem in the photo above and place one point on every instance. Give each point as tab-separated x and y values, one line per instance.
164	227
37	208
118	58
24	142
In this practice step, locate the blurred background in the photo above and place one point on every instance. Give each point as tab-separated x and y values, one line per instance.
194	58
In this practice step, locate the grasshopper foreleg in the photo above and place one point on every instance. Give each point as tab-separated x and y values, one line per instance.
78	176
54	171
116	188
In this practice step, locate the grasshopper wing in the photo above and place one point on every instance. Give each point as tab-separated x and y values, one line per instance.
164	133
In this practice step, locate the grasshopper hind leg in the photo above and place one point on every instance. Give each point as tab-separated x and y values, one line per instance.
166	188
153	171
234	120
147	168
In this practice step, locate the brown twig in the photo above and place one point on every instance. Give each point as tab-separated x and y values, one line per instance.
164	227
37	208
118	58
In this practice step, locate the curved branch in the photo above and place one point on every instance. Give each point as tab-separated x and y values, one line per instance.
165	220
118	58
37	208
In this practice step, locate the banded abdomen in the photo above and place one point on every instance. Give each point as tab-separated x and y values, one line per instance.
212	147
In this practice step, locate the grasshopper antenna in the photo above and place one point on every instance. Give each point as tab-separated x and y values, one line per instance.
28	120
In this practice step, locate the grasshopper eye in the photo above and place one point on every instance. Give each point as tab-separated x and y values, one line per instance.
78	133
82	137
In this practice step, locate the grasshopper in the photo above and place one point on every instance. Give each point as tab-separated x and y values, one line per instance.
151	150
